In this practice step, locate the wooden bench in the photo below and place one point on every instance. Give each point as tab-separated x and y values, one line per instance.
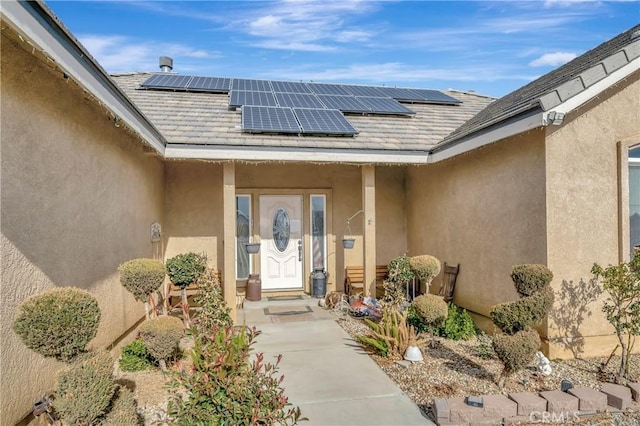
354	278
192	290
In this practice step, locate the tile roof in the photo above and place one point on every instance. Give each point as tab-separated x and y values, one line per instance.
204	119
559	85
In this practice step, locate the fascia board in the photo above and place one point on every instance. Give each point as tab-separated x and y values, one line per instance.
511	127
226	153
27	19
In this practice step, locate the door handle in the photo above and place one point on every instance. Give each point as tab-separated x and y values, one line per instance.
299	250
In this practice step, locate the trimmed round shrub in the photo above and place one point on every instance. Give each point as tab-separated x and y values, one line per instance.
58	323
512	317
123	409
142	277
530	278
162	336
135	357
431	308
425	267
85	390
516	351
184	269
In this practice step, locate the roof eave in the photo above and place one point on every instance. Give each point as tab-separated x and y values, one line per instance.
37	24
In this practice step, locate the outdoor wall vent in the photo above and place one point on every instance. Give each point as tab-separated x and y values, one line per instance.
166	64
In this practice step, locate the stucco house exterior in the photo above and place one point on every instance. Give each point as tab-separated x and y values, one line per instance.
546	174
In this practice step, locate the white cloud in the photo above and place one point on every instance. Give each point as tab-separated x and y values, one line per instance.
552	59
118	53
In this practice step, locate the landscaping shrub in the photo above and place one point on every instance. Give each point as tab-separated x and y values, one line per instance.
58	323
123	409
530	278
516	351
213	308
142	277
85	390
184	269
431	308
135	357
458	324
426	268
416	320
516	316
395	286
391	335
161	336
223	387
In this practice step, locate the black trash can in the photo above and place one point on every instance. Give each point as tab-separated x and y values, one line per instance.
319	279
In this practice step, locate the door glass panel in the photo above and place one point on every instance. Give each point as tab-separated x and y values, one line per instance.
281	229
243	228
318	231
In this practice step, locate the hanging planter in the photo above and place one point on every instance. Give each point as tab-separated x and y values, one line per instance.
252	248
348	242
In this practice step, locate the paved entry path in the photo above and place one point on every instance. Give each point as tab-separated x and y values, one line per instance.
326	373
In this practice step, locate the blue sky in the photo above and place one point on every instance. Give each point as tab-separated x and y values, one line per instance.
490	47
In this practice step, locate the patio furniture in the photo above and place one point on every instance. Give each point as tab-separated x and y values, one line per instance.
354	278
449	278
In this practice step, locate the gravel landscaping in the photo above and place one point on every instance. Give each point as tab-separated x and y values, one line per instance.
469	367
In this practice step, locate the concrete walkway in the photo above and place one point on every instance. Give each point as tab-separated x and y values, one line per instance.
327	374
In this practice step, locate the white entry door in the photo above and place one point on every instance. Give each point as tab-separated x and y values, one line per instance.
281	250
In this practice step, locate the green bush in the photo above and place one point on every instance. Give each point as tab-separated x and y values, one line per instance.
458	325
431	308
400	275
58	323
161	336
416	320
213	308
516	316
142	277
123	409
85	390
184	269
516	351
530	278
135	357
425	267
227	385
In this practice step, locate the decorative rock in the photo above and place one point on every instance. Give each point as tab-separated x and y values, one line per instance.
404	363
528	403
441	410
589	399
460	412
560	402
635	390
618	396
499	406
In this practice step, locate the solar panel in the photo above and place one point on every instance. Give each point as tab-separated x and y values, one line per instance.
298	100
343	103
324	121
327	89
419	95
364	91
258	119
209	84
289	87
167	81
255	85
244	97
378	105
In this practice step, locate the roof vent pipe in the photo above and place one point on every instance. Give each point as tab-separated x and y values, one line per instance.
166	64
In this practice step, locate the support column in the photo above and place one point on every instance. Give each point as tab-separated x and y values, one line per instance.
369	223
229	237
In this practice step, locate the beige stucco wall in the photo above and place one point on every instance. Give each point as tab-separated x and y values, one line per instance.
484	210
583	202
78	197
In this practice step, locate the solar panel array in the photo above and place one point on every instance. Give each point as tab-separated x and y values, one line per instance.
261	119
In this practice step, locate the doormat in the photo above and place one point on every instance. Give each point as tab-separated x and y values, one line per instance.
282	298
287	310
292	318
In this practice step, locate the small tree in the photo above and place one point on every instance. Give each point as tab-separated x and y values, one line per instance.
184	270
426	268
142	277
395	286
622	307
161	337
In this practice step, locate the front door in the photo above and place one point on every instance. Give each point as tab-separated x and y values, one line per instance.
281	250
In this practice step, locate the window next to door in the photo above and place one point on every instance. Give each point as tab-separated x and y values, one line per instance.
243	232
634	197
318	247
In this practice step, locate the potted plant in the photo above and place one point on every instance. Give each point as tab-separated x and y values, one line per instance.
252	248
348	242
